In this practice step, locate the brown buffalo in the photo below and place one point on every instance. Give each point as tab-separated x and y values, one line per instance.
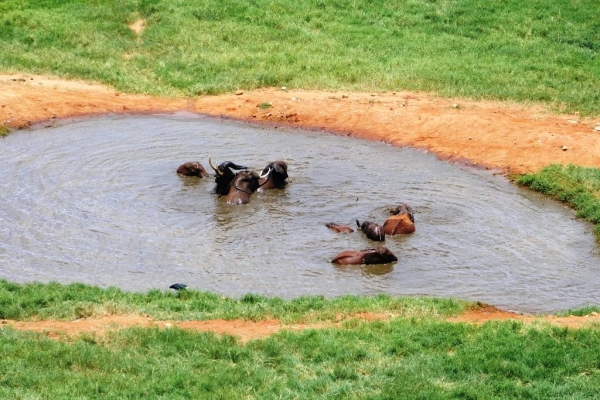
379	255
373	230
243	185
224	175
274	176
192	168
402	221
337	228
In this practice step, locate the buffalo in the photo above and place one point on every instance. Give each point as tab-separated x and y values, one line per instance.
224	175
274	176
243	185
402	221
379	255
337	228
373	230
192	168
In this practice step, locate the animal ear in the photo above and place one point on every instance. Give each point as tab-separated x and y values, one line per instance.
411	213
280	168
404	208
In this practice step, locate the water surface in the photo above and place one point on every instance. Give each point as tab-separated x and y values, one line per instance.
98	201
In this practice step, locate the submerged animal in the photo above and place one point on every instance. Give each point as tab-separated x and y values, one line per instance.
243	185
373	230
337	228
402	221
224	175
274	175
192	168
379	255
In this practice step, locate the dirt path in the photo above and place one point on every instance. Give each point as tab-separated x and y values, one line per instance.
245	330
249	330
511	138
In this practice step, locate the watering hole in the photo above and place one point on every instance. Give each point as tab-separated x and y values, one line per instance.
98	201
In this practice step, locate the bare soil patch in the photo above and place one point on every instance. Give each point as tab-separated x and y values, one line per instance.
245	330
138	26
506	137
490	313
249	330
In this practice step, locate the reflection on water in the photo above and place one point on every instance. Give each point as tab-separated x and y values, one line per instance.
366	270
98	201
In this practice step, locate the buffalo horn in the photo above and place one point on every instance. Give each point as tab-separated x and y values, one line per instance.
266	173
217	170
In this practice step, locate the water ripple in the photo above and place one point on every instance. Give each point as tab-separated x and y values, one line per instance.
98	201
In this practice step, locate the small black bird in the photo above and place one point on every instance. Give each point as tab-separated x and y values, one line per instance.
178	286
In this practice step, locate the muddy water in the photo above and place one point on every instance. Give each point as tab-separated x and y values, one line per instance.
98	201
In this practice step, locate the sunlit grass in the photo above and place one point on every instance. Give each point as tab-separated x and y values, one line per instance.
543	52
56	301
415	353
403	358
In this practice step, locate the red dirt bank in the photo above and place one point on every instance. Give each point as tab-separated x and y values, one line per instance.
511	138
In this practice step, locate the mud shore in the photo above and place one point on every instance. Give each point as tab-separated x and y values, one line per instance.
506	137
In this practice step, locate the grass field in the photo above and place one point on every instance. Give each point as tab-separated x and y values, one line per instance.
539	51
68	302
403	358
527	51
415	355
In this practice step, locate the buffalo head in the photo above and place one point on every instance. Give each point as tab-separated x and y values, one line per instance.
274	175
380	255
402	221
243	185
373	230
224	175
193	168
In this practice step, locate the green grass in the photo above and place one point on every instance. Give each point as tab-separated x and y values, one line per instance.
414	355
543	51
580	312
56	301
403	358
577	186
